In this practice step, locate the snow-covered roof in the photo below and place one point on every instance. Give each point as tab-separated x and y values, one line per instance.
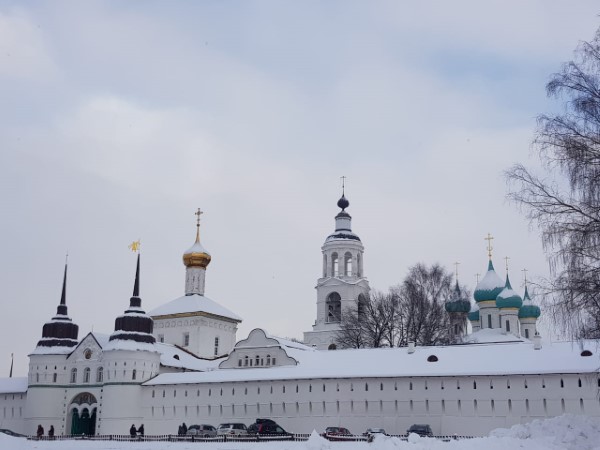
172	356
196	248
194	303
17	385
40	350
455	360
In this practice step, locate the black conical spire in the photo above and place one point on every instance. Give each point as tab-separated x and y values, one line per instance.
134	324
60	331
62	307
136	301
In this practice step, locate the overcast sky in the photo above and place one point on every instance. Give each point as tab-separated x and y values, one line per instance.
119	119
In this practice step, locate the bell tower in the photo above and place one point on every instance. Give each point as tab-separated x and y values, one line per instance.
342	283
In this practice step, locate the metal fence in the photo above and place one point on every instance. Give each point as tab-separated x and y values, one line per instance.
224	438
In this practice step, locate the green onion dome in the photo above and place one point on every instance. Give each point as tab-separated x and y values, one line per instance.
474	313
508	298
528	310
457	303
489	287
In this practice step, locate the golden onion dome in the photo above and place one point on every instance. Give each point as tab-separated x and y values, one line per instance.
196	255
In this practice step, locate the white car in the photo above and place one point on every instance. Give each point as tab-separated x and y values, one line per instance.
232	429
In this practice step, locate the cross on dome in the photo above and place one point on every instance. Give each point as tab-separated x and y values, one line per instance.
489	238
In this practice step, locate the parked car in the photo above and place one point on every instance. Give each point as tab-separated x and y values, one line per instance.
372	432
203	430
267	427
420	429
232	429
11	433
336	433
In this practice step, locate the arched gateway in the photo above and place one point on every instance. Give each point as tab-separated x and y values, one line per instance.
82	414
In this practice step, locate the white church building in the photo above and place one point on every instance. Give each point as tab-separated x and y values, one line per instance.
181	363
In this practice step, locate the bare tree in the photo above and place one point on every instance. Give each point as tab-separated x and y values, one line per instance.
567	211
422	296
364	323
412	311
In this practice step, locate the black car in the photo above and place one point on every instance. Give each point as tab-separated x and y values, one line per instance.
11	433
421	430
267	427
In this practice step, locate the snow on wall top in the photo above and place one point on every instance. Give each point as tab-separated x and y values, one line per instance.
17	385
191	304
456	360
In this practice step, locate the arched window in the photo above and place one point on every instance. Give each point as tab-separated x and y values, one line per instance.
335	265
358	266
348	264
133	374
324	265
246	361
268	360
361	305
334	307
508	326
73	375
86	375
100	374
54	378
257	360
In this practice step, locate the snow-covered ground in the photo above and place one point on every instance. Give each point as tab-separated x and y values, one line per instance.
566	432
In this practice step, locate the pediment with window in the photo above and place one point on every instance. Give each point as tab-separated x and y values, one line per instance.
258	350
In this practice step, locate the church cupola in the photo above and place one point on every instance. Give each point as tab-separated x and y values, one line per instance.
60	331
528	314
343	222
134	324
196	259
457	307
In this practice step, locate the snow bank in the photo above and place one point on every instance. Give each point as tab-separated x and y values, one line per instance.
567	432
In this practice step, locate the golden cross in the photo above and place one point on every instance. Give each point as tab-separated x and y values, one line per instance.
135	246
198	214
456	264
525	275
506	258
489	238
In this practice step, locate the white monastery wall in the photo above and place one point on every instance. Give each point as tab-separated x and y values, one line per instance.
461	405
12	411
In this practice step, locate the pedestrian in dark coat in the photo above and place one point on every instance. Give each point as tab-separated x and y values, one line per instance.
183	428
141	430
132	430
40	430
180	430
51	431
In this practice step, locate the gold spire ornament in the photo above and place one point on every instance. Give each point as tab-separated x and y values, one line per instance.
506	258
135	246
489	238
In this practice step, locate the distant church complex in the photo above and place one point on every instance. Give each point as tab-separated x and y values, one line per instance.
181	362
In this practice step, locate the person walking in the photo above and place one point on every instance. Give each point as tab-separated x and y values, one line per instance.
132	430
40	431
51	432
141	430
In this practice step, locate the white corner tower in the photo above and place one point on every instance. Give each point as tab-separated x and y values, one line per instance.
342	283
